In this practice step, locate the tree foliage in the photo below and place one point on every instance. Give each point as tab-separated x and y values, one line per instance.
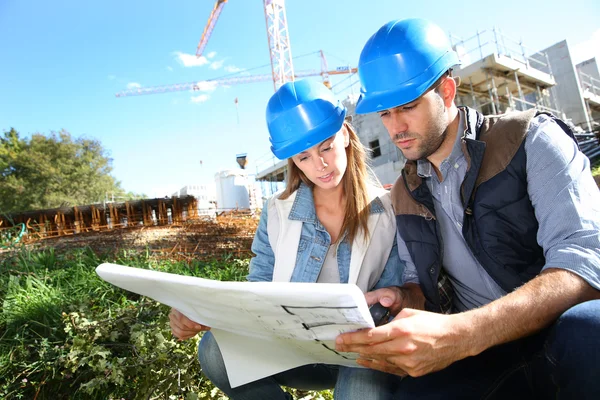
55	170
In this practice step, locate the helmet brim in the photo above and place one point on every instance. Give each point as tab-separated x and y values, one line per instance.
375	101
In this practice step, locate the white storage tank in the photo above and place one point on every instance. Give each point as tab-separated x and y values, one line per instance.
232	189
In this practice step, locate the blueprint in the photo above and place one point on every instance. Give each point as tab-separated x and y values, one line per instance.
262	328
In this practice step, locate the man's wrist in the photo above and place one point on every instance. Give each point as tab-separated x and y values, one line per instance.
474	339
465	340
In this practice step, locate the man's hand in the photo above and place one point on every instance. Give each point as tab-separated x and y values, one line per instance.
415	343
396	298
182	327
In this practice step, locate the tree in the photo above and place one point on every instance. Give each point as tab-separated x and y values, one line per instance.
52	171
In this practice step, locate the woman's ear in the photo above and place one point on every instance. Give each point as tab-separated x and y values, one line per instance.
346	135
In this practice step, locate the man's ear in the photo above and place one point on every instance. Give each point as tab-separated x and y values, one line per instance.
448	90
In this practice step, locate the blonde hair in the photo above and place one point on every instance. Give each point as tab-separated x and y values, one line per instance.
354	185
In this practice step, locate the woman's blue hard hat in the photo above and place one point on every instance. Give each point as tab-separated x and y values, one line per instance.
302	114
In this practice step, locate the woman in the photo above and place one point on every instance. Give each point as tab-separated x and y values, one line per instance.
338	227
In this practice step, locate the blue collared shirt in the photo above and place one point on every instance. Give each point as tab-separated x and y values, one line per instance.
565	198
314	243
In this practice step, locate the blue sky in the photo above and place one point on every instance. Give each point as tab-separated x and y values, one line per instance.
63	61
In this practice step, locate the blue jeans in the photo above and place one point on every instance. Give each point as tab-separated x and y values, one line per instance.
561	362
350	383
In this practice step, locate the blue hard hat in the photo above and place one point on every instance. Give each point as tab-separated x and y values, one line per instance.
400	62
300	115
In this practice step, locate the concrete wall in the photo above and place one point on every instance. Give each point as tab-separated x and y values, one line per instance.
567	90
369	129
388	165
589	67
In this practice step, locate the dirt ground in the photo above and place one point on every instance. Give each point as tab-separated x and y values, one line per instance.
195	239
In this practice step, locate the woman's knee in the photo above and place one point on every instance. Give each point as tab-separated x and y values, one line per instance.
211	360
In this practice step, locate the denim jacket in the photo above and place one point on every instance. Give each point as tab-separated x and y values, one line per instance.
313	246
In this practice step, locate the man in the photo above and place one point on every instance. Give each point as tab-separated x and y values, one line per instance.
499	223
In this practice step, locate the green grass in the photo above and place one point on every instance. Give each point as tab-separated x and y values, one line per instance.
596	170
67	334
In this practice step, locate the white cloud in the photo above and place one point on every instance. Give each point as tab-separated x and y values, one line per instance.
205	86
190	60
170	69
587	49
133	85
233	68
200	99
216	64
112	77
212	54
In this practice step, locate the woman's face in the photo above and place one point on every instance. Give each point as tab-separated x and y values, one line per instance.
325	164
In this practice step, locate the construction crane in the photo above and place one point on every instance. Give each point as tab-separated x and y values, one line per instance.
280	52
277	34
199	85
212	20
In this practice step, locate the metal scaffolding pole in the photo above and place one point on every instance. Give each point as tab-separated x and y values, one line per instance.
521	97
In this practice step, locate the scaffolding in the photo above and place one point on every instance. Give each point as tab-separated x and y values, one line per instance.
499	74
65	221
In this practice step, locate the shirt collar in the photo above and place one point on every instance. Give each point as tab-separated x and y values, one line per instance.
303	208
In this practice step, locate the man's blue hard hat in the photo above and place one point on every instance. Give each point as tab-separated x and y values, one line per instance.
300	115
400	62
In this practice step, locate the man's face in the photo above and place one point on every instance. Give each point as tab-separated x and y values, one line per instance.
417	128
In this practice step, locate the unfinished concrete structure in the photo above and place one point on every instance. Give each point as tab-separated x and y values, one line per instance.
205	196
499	74
568	89
589	81
386	159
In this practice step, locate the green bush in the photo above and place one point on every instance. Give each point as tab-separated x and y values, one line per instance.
67	334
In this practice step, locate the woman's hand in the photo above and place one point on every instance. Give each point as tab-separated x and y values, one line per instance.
182	327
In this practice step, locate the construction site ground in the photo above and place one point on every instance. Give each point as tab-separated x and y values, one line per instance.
229	234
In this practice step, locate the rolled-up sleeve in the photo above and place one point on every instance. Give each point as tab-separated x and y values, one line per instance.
261	266
409	273
566	200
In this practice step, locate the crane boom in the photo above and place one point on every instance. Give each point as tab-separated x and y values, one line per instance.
210	25
197	86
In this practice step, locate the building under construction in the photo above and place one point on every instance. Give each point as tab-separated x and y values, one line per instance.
589	82
499	74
